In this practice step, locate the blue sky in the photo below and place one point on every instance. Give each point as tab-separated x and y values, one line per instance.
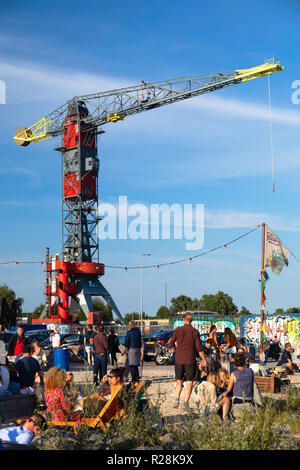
212	150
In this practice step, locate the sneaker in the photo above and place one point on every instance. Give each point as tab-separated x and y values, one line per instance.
176	403
185	405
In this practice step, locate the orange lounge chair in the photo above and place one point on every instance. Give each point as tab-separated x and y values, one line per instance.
108	412
142	387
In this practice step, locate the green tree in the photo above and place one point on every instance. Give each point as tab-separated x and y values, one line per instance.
244	311
181	304
163	312
279	311
220	303
99	305
292	310
10	296
132	316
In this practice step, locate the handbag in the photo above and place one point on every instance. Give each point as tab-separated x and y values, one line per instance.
257	396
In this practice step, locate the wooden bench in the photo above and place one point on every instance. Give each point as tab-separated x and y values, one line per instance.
17	406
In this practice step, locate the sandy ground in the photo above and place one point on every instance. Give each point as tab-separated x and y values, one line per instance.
163	387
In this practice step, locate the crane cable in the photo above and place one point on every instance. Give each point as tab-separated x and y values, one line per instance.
271	133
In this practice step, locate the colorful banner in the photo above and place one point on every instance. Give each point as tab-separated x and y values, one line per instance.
276	255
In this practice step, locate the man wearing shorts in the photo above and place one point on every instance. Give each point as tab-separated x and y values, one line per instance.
188	344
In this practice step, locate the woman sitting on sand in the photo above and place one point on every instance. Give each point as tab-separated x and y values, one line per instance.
208	401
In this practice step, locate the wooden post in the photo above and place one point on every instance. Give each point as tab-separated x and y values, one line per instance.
262	296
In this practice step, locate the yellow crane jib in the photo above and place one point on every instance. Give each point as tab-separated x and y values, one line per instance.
115	117
37	132
270	66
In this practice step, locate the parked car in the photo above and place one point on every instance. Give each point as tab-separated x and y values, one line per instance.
5	337
74	342
156	337
66	339
40	335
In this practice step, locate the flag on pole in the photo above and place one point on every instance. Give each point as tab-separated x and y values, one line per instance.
276	255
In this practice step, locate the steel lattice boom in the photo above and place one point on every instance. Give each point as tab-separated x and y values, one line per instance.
115	105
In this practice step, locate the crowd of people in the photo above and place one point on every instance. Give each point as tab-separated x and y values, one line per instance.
200	367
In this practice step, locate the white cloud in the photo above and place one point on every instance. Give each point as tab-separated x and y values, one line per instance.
28	81
218	219
255	111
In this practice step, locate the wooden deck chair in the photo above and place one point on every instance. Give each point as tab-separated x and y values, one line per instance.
108	412
142	387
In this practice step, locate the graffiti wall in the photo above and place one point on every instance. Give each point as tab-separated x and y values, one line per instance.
203	324
285	327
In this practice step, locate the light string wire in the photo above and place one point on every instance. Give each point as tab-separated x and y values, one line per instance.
157	266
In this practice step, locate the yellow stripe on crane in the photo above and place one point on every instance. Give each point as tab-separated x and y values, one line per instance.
36	133
270	66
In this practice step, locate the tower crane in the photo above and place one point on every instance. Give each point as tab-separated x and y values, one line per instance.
79	121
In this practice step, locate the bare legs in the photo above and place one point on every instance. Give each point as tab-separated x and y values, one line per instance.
187	392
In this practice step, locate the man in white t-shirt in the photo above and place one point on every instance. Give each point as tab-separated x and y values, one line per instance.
55	339
19	434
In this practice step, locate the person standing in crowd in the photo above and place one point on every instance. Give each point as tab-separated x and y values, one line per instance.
55	339
100	358
188	344
17	342
113	346
89	344
133	349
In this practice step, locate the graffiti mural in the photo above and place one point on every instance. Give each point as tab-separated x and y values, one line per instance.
285	327
203	324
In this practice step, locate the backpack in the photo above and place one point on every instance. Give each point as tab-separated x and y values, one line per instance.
90	337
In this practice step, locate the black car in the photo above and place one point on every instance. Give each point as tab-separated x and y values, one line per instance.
66	339
5	336
33	335
156	337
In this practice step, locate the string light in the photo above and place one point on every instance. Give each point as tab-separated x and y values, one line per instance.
158	266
